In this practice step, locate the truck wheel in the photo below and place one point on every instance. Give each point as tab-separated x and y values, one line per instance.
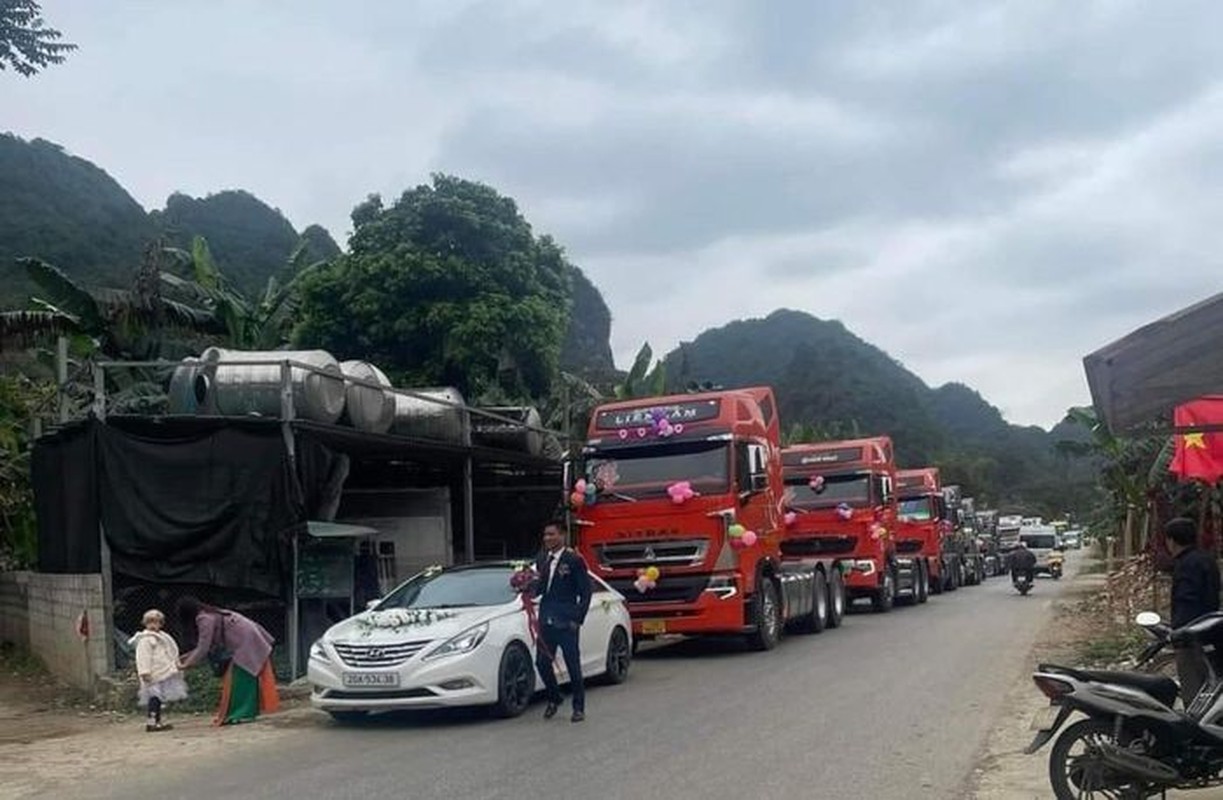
885	596
953	577
818	618
936	582
767	613
923	583
836	598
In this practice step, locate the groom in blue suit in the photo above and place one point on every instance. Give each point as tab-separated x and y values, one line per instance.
564	592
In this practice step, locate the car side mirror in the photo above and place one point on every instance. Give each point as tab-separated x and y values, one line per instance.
1147	619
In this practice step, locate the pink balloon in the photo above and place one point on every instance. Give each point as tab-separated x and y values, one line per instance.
790	517
580	486
640	585
736	542
578	499
748	538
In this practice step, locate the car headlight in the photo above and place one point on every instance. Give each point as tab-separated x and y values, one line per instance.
465	642
317	651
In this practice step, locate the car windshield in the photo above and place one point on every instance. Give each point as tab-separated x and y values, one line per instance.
1039	541
916	509
481	586
631	473
853	488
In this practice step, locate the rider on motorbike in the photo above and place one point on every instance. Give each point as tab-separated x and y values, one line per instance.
1023	562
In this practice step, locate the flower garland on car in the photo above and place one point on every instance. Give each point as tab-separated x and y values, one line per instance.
396	619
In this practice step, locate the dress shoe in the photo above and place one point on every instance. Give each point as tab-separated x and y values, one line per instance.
578	716
550	711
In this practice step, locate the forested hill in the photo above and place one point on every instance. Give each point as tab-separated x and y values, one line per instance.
71	213
832	384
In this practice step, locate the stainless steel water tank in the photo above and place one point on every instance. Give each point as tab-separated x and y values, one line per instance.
245	389
505	435
366	408
428	420
182	390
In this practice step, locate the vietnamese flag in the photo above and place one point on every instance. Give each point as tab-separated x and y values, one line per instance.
1199	455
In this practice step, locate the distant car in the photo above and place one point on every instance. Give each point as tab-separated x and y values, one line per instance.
1072	539
457	636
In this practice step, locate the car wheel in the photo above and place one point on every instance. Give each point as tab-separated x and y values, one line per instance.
515	682
619	657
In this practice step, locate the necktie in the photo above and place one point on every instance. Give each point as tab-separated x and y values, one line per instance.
552	562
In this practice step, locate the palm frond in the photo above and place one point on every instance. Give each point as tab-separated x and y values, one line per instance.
67	293
23	328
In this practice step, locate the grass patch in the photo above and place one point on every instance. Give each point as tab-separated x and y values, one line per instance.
20	662
1112	647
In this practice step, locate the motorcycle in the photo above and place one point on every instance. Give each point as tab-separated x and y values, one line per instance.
1133	744
1055	565
1022	583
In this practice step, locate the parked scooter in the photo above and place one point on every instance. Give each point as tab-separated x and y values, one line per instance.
1133	744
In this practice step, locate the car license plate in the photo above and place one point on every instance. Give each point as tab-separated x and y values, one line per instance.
1043	720
370	680
653	626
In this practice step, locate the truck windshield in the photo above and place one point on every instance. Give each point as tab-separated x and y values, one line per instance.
632	473
853	488
916	509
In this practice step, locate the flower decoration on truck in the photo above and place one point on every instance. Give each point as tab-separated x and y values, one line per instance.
790	518
647	579
681	492
740	537
845	511
816	484
583	494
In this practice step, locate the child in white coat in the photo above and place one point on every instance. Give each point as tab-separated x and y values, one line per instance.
161	681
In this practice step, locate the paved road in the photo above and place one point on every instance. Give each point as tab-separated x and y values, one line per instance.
889	706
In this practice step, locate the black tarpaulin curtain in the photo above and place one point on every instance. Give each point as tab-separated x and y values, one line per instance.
216	506
66	501
204	502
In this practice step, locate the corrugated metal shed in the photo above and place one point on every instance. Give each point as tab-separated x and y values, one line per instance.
1143	375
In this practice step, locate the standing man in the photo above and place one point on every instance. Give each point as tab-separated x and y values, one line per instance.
1195	591
564	591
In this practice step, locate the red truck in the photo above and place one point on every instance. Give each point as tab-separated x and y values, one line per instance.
925	531
842	498
677	504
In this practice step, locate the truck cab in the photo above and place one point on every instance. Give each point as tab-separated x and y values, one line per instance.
677	502
924	530
841	501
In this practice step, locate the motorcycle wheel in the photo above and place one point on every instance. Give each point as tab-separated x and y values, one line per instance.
1077	771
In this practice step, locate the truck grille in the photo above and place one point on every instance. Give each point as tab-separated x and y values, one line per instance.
819	546
680	553
670	589
378	655
908	545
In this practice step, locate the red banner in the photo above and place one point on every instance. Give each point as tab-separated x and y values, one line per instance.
1199	456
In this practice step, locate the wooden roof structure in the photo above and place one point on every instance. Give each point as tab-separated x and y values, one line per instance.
1145	374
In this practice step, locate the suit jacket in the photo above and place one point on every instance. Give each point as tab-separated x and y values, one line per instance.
568	598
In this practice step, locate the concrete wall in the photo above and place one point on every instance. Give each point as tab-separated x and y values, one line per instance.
14	608
53	607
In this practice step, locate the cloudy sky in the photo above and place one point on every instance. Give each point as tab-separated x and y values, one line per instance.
986	190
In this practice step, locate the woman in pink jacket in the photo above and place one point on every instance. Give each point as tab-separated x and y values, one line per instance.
248	685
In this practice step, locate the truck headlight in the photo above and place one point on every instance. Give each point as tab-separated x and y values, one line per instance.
464	642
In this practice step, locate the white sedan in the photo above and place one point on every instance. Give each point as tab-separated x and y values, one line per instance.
457	636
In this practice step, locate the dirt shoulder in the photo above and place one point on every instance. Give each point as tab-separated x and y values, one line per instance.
52	739
1076	625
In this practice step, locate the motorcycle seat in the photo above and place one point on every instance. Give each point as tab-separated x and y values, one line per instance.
1204	624
1160	687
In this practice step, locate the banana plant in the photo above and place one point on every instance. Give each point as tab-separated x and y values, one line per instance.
642	380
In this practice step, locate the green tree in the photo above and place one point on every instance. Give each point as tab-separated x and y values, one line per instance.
26	43
447	285
642	380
